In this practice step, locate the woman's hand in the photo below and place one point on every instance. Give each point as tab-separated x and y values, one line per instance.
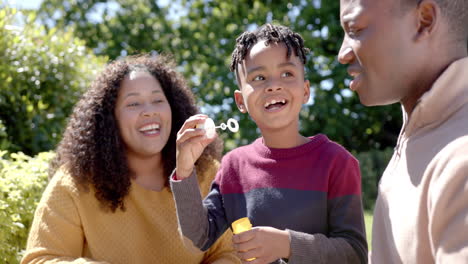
191	142
265	244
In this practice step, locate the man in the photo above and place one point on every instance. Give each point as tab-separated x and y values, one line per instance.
415	52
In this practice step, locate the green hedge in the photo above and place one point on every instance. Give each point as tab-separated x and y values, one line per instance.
22	181
42	76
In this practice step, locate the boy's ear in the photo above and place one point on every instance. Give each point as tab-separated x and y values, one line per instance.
240	101
306	91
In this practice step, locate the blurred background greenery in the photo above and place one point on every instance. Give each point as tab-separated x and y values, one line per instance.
52	49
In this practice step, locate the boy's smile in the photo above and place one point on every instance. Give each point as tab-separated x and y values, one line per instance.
275	104
272	87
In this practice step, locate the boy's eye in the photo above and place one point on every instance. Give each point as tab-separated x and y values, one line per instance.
259	78
286	74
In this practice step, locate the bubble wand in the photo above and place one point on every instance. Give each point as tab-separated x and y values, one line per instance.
210	126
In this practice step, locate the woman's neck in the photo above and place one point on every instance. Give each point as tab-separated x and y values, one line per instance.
147	171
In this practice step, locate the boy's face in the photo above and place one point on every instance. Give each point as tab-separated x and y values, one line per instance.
272	87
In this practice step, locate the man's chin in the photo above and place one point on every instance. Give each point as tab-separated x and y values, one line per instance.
368	100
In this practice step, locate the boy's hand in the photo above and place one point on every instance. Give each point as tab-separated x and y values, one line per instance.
265	244
191	142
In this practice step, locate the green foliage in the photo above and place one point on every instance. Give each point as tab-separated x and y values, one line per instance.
22	181
368	220
201	35
4	143
372	164
43	75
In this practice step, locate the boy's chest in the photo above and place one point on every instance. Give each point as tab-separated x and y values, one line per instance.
299	210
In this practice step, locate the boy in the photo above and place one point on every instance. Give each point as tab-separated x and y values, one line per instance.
302	194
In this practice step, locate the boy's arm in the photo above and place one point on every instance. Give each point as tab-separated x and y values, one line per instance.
346	240
203	222
345	244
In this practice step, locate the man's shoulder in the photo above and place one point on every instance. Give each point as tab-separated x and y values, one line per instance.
453	155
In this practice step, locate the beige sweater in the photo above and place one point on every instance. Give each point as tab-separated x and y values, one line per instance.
421	214
69	226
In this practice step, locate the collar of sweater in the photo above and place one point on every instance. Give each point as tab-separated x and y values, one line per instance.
274	153
448	94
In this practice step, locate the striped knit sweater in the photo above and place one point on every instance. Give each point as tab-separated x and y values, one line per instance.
313	191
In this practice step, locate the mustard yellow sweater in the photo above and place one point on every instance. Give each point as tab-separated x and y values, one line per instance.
71	226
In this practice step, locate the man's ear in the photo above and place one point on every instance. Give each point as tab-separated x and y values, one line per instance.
306	91
240	101
429	14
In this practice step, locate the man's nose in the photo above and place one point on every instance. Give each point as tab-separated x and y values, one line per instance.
345	55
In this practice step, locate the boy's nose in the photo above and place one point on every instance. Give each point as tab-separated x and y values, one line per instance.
345	54
272	89
274	85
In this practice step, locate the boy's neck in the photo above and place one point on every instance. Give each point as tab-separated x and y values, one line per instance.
282	139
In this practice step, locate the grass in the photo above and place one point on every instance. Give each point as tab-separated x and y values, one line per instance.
368	220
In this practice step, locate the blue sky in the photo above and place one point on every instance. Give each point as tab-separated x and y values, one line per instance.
34	4
29	4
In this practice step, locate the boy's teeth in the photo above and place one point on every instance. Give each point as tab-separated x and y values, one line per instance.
274	102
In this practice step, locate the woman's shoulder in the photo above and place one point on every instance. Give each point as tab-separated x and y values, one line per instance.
63	181
206	175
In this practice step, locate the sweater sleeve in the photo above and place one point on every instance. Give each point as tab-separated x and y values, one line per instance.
448	204
203	222
346	239
56	234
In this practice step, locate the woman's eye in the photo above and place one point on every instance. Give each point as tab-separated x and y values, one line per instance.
133	104
259	78
157	101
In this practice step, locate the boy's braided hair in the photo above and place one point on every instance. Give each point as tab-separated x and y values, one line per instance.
270	33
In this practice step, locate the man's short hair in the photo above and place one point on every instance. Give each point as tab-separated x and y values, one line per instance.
456	13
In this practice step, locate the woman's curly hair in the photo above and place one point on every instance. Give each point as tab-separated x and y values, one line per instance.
93	151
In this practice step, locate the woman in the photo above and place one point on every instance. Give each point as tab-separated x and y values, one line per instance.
109	198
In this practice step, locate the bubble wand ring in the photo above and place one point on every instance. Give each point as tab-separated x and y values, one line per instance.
232	125
210	127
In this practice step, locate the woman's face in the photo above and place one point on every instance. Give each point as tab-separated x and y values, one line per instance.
143	115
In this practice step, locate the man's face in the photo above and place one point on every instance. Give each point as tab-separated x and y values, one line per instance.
379	48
